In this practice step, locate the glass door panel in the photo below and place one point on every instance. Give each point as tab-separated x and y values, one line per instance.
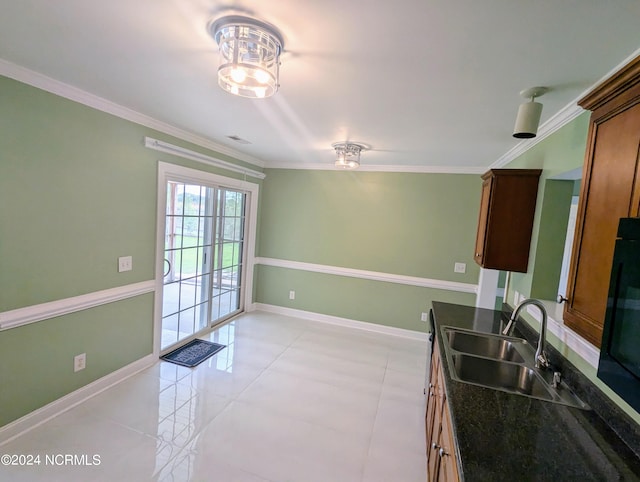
228	254
187	267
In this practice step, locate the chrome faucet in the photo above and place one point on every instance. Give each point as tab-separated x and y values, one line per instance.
541	357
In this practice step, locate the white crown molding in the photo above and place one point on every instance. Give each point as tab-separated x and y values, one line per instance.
344	322
370	275
44	311
320	166
33	419
35	79
161	146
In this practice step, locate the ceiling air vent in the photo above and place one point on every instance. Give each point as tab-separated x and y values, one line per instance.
239	139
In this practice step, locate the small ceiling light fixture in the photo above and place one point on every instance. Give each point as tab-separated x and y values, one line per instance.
529	113
348	154
249	56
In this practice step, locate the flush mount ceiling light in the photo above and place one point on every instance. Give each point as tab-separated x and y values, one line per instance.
529	113
249	56
348	154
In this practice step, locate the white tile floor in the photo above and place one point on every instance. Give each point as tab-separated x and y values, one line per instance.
287	400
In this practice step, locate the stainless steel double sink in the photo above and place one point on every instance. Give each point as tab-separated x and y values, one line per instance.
502	363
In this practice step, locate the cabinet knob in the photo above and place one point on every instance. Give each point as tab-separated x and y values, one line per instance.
435	446
562	299
442	453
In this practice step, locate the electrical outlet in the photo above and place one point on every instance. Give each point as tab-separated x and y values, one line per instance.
423	317
125	263
79	362
460	268
292	295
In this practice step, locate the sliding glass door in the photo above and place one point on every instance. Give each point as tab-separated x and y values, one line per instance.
203	259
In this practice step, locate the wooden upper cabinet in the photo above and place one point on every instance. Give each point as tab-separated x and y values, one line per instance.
507	207
610	190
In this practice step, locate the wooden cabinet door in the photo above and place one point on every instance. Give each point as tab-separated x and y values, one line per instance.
433	462
505	223
441	458
482	220
432	399
434	414
448	471
610	190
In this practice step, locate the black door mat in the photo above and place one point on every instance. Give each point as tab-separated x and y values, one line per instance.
193	353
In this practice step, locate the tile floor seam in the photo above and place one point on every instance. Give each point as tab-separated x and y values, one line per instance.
124	456
364	467
262	372
300	418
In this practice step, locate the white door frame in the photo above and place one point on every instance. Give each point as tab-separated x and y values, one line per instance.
172	172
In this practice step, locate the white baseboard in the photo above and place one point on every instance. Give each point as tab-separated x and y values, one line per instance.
335	320
43	414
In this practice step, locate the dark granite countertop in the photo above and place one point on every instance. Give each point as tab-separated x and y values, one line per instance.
506	437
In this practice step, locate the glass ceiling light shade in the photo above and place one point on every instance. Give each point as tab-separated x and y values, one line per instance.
529	113
249	56
348	154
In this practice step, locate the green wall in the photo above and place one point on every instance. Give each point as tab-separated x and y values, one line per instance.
37	359
378	302
554	216
397	223
561	152
77	190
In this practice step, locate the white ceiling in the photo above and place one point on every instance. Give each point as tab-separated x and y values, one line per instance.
426	83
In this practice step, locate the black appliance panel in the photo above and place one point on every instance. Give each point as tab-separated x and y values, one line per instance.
620	350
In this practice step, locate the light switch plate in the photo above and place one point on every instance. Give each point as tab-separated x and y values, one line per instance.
125	263
460	268
79	362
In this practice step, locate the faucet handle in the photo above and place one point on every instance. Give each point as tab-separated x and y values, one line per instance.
557	379
542	361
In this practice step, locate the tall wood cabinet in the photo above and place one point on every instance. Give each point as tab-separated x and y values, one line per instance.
610	190
507	207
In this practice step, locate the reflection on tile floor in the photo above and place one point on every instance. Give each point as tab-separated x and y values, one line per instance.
287	400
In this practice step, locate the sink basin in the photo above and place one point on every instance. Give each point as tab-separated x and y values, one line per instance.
509	377
502	363
496	347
